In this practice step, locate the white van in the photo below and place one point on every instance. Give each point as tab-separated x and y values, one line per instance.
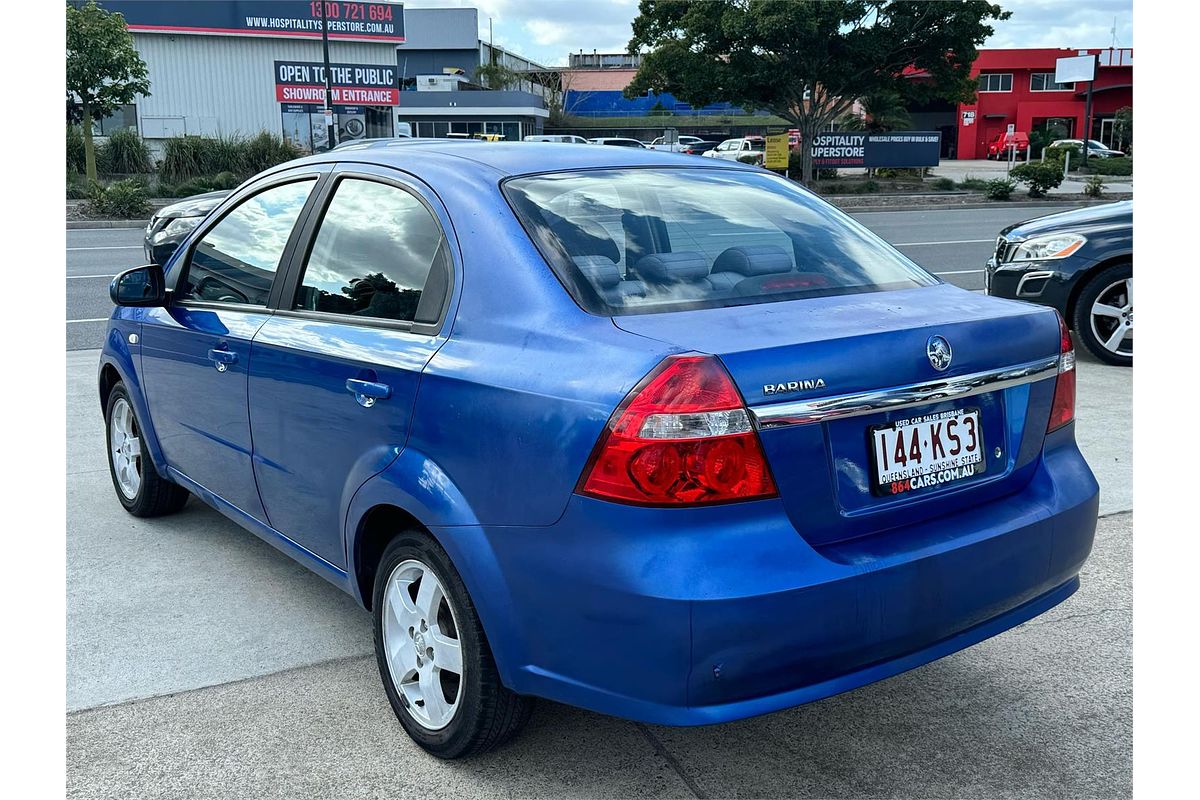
566	138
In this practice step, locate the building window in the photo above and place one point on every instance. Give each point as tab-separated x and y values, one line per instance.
1044	82
996	82
124	117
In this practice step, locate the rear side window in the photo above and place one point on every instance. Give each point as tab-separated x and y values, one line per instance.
373	255
236	260
632	241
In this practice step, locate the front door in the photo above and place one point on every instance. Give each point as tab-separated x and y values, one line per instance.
334	373
195	352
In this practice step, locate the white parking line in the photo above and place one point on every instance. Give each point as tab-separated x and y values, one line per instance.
76	277
97	319
956	241
108	247
959	272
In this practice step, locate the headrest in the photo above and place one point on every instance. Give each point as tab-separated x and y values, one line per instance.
583	237
757	259
602	272
672	267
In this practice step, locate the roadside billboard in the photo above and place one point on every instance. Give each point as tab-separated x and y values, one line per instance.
776	156
354	21
895	149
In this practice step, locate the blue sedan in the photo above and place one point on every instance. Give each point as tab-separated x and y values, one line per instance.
672	440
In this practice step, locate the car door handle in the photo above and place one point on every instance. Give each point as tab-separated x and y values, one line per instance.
222	358
367	392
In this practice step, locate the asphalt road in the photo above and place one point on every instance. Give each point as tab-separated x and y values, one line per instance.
951	243
203	663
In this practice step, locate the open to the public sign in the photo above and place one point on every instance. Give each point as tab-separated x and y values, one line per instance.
923	452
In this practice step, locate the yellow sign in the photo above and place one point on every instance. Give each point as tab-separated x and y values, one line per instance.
777	152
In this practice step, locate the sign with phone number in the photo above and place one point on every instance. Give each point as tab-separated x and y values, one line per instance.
348	21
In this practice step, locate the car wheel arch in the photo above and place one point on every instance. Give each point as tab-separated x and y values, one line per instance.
1086	278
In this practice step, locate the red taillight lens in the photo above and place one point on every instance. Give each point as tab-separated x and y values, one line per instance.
682	437
1062	410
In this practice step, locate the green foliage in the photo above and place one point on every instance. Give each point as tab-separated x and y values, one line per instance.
495	76
867	187
769	55
944	185
999	188
900	173
76	161
1123	126
104	71
1059	155
885	111
125	199
973	184
1038	139
751	158
188	157
1039	176
658	110
123	153
199	185
1110	166
1094	186
77	186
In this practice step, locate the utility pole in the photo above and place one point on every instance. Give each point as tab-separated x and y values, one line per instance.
328	77
1087	111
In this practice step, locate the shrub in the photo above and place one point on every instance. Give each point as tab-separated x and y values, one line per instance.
1059	154
867	187
944	185
75	156
973	184
1111	166
1039	176
125	199
261	152
123	153
751	158
77	186
999	188
900	173
1094	186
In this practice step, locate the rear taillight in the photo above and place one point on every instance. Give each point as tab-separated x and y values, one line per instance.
1062	410
682	437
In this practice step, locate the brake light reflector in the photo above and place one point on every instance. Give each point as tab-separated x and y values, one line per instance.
1062	410
682	437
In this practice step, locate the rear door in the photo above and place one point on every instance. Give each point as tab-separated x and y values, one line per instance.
334	373
196	350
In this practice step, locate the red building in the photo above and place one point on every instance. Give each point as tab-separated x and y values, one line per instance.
1017	87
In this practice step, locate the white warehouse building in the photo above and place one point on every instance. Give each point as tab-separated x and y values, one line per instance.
239	67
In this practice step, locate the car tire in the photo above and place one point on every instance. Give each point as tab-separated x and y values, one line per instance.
1106	289
141	490
477	712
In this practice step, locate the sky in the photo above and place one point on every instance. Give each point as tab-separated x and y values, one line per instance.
546	30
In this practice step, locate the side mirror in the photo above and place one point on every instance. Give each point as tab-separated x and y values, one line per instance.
140	286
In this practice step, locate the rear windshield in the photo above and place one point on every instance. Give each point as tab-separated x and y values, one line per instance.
757	144
637	240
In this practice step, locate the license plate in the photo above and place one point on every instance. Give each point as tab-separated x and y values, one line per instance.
922	452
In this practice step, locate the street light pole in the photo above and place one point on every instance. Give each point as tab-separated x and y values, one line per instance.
329	143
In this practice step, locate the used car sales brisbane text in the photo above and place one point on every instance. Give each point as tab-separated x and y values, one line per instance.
673	441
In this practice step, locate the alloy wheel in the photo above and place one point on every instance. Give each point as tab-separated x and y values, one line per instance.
422	645
1112	317
126	447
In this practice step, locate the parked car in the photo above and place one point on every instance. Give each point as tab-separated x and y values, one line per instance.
680	145
1095	148
998	148
734	149
617	141
561	138
1080	263
170	226
699	148
674	441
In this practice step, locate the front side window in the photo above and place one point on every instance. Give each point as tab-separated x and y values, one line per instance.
236	260
373	254
996	82
632	241
1044	82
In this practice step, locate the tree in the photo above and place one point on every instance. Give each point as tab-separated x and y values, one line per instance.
808	62
1123	127
882	112
495	76
104	72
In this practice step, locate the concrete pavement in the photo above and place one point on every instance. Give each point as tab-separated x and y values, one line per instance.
202	662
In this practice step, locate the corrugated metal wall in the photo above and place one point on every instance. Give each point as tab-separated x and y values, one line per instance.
225	85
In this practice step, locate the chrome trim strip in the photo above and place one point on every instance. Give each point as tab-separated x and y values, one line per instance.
1036	275
806	412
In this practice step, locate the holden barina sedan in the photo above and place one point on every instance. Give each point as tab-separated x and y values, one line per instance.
671	440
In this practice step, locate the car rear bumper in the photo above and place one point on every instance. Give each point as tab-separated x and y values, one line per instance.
699	616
